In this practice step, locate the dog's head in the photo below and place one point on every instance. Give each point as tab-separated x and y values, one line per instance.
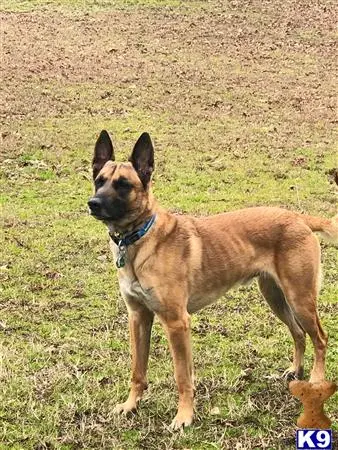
122	190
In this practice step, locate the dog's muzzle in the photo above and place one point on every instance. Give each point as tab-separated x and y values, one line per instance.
103	209
95	206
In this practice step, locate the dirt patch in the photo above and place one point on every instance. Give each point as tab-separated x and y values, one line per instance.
255	57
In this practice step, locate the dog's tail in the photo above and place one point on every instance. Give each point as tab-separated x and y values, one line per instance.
328	228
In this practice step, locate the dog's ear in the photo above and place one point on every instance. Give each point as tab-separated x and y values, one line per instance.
142	158
103	152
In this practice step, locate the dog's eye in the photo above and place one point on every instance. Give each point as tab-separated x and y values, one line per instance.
122	184
99	182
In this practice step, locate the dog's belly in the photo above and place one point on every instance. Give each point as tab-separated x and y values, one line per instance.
198	301
131	289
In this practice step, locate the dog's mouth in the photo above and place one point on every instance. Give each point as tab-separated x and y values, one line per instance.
100	216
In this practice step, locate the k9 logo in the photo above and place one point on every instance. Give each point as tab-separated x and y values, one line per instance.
314	439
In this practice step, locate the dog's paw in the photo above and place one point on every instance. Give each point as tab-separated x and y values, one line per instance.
125	408
181	420
293	374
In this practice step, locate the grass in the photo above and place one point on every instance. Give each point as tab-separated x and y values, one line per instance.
226	137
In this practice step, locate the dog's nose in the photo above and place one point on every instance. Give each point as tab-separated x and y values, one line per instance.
95	204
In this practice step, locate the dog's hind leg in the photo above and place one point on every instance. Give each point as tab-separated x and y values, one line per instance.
276	299
299	277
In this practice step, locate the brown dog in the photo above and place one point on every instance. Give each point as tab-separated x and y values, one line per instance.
172	265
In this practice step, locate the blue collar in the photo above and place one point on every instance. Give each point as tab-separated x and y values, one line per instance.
128	239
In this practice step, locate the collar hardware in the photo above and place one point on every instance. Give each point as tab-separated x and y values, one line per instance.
124	241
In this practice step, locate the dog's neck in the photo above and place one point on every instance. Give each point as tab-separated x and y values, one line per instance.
131	226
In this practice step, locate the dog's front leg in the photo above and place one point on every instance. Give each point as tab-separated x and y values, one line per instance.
140	324
177	328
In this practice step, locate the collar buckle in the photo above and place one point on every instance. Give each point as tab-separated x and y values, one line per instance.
123	241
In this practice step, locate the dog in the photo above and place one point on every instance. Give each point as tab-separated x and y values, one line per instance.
173	265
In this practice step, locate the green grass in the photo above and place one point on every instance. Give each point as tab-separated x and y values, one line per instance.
226	137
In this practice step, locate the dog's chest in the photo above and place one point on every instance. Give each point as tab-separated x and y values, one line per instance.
132	290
